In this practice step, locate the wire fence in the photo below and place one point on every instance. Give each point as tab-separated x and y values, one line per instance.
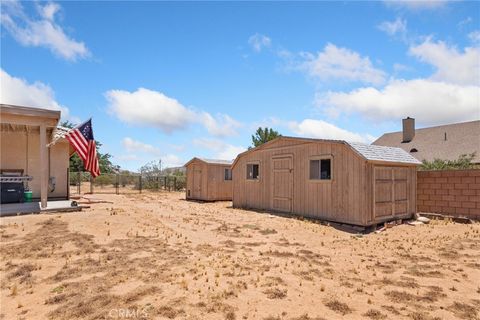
113	183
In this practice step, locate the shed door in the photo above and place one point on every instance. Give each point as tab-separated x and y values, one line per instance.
197	182
282	173
391	190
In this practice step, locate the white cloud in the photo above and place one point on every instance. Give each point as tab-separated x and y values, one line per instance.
127	157
340	63
136	146
222	150
398	67
474	37
451	65
43	31
398	26
259	41
148	107
221	126
430	102
416	5
320	129
171	160
140	151
18	91
155	109
464	22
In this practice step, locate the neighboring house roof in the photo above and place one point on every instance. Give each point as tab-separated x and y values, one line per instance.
368	152
430	143
210	161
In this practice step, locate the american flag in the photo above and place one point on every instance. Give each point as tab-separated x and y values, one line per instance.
81	138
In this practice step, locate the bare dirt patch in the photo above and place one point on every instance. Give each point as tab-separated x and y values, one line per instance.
156	255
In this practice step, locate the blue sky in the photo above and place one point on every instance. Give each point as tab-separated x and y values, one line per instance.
175	80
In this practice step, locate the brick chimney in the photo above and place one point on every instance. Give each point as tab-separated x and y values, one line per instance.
408	129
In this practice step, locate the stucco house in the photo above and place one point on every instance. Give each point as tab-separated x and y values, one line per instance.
28	156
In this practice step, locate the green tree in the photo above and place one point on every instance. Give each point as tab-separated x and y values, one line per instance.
264	135
104	162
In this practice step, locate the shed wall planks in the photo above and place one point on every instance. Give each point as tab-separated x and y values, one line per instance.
356	194
206	181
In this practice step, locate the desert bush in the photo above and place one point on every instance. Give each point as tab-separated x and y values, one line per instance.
463	162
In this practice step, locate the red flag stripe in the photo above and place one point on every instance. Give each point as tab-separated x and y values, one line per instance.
78	142
74	143
86	149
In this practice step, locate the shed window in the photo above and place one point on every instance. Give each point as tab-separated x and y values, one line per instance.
228	174
321	169
252	171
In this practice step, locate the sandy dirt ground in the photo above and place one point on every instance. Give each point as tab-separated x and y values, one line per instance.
157	256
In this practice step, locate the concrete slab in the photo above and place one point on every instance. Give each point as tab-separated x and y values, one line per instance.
13	209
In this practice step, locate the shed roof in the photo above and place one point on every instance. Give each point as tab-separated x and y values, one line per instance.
366	151
381	153
446	142
210	161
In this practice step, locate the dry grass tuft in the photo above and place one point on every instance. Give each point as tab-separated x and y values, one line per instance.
169	312
374	314
463	310
338	307
400	296
275	293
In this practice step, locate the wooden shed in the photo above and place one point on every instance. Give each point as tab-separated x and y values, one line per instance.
209	179
331	180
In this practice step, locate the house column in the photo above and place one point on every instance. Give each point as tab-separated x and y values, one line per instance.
43	166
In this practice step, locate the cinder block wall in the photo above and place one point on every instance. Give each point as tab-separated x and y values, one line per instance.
453	192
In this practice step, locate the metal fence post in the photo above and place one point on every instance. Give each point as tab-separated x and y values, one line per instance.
140	183
175	183
165	182
91	184
117	183
79	181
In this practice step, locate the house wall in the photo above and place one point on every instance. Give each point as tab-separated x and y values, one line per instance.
342	199
21	150
213	186
452	192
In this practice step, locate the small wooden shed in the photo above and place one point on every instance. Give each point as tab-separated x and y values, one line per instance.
331	180
209	179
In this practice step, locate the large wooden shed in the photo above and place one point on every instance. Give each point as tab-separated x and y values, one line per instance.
209	179
331	180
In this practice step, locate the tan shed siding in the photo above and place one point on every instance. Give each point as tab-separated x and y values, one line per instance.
213	186
341	199
218	187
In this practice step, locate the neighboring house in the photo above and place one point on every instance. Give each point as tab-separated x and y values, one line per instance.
447	142
25	134
209	179
327	179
